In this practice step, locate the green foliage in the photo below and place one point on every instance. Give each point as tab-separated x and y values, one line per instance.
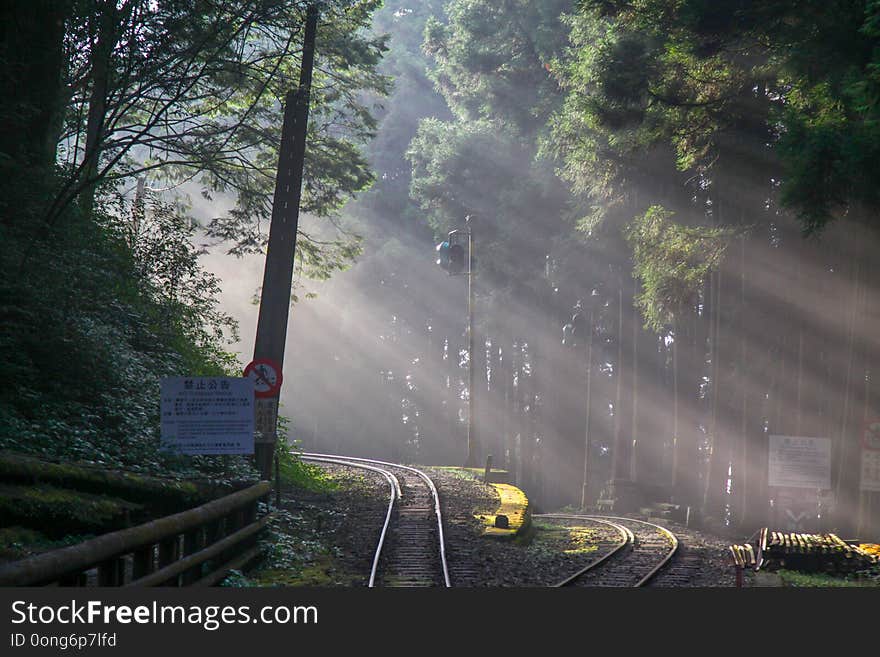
452	169
160	495
492	59
478	168
697	77
293	470
671	263
410	100
161	239
296	552
93	318
107	296
59	511
19	542
236	579
831	160
490	63
191	93
823	580
634	88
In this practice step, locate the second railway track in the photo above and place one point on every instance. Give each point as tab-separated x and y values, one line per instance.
642	551
411	550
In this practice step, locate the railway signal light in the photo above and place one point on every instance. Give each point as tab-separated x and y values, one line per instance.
456	259
456	255
451	253
578	329
443	255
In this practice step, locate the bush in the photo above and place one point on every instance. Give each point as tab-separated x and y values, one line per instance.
92	315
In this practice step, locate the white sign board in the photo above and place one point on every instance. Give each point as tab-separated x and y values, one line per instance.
871	469
208	415
800	462
266	417
870	479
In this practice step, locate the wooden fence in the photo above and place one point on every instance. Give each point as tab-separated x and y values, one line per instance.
197	547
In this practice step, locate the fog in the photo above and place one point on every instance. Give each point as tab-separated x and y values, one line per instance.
780	339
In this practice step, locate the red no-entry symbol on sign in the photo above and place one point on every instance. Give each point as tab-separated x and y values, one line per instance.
266	375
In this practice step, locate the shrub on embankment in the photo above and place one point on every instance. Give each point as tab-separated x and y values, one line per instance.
94	311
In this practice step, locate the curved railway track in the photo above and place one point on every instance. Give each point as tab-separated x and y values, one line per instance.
411	549
641	552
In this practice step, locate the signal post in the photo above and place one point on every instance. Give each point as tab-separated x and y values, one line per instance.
452	257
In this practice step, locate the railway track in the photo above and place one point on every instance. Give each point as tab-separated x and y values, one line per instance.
642	550
411	550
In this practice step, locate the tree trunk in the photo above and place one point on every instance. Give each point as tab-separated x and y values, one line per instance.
95	123
31	80
688	362
638	450
621	464
716	469
848	438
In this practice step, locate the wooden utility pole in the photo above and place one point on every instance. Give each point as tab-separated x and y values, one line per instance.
278	272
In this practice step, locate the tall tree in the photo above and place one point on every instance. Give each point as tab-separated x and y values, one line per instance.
189	93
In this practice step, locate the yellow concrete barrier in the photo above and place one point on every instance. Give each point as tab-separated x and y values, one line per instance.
515	505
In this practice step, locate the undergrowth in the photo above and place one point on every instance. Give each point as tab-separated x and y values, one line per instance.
801	579
293	470
94	312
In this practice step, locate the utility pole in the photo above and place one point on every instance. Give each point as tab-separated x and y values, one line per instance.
451	258
280	254
587	442
472	440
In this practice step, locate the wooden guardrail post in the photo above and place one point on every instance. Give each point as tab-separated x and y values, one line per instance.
237	522
168	553
142	564
231	524
111	572
249	513
191	545
241	538
214	533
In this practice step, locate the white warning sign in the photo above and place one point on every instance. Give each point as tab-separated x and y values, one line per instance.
800	462
870	470
870	479
208	415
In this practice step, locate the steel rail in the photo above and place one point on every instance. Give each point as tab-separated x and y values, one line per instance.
393	484
427	480
626	539
672	539
630	540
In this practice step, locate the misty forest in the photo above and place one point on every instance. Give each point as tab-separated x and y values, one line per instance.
670	207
